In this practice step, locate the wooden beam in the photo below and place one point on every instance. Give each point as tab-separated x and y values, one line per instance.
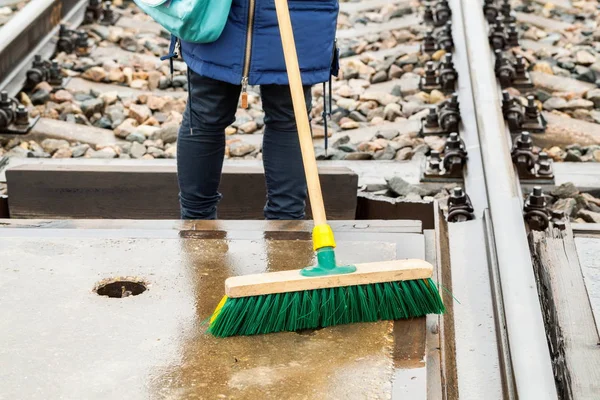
151	192
568	315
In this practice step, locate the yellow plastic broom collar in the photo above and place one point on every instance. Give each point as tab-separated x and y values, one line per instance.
215	313
322	237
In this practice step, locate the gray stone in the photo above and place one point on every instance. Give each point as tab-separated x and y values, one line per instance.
164	83
403	188
104	122
63	153
436	143
568	206
595	114
409	83
585	74
155	152
79	150
39	154
137	150
116	113
421	149
51	145
19	152
551	39
407	59
395	72
124	147
379	77
240	149
374	187
347	148
397	91
136	137
565	190
81	97
104	153
129	43
542	95
573	156
579	104
404	141
584	58
377	112
91	106
342	140
359	155
594	96
391	111
382	98
40	96
168	133
589	216
411	107
358	117
337	154
387	134
101	31
412	197
404	154
555	103
179	81
387	153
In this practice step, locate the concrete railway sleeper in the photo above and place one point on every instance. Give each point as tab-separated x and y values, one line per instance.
466	124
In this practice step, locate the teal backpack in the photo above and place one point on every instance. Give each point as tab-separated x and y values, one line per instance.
196	21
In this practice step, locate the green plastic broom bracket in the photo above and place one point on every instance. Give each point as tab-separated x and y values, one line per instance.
326	265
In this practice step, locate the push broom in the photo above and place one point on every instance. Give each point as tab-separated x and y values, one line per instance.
325	294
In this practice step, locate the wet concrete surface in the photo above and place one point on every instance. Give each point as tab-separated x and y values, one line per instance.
588	250
61	340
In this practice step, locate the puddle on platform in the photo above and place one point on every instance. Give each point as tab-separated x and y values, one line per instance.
155	345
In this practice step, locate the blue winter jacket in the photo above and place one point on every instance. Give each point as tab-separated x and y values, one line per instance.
249	49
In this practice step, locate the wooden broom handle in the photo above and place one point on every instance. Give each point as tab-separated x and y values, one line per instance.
302	121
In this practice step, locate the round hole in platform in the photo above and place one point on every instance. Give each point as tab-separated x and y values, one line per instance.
118	288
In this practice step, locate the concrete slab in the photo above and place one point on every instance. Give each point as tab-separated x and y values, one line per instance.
85	86
62	340
394	24
554	83
551	25
356	7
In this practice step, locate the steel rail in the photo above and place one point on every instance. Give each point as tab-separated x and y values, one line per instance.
529	353
32	31
474	273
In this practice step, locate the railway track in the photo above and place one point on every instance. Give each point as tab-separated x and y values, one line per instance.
426	113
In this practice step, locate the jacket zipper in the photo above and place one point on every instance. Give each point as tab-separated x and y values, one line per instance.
246	68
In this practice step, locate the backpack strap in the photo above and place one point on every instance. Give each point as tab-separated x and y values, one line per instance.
174	52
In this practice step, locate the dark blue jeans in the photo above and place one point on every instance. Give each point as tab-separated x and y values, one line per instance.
201	148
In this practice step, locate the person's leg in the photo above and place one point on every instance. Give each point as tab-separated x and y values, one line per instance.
210	109
284	172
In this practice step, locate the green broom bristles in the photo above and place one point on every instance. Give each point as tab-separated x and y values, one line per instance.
326	307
